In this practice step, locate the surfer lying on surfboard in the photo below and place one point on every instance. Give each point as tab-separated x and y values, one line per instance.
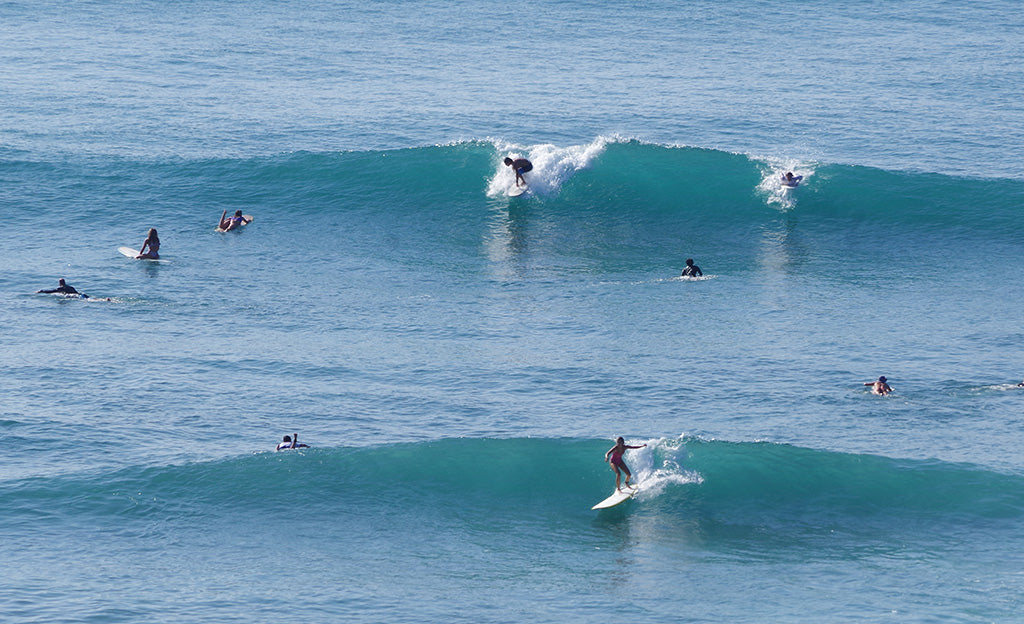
880	386
231	222
614	457
290	442
63	288
790	180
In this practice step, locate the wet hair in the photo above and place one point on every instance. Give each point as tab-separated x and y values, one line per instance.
238	213
152	234
508	161
620	440
689	262
882	379
61	281
287	438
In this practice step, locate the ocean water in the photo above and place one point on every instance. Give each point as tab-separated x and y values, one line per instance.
459	361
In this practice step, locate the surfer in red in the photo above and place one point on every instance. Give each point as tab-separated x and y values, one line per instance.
614	457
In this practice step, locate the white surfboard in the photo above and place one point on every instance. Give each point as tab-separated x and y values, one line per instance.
131	253
516	191
617	497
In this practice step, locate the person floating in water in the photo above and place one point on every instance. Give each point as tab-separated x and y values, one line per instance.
614	457
232	222
64	289
1020	385
290	442
880	386
788	179
520	166
153	243
692	270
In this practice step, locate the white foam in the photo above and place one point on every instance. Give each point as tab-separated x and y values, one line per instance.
657	466
771	181
552	165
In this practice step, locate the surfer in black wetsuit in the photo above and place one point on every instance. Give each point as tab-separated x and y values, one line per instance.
692	270
63	289
290	442
520	166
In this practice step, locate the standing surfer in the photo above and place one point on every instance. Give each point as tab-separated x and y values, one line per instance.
614	457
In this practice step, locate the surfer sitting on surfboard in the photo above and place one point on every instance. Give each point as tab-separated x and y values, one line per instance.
64	289
520	166
232	222
691	270
290	442
614	457
153	242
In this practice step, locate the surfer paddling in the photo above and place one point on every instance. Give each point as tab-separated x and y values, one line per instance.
520	166
879	387
614	457
64	289
290	442
232	222
153	243
790	180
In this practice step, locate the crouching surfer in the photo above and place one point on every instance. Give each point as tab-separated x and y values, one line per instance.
520	166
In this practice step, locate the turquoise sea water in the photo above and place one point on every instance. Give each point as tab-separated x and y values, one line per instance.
459	361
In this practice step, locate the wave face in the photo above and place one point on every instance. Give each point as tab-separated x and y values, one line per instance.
726	482
614	200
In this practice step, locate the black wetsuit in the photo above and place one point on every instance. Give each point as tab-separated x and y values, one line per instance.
64	290
692	270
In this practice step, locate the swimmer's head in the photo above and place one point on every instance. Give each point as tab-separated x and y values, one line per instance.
508	161
61	281
287	438
238	213
689	262
882	379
